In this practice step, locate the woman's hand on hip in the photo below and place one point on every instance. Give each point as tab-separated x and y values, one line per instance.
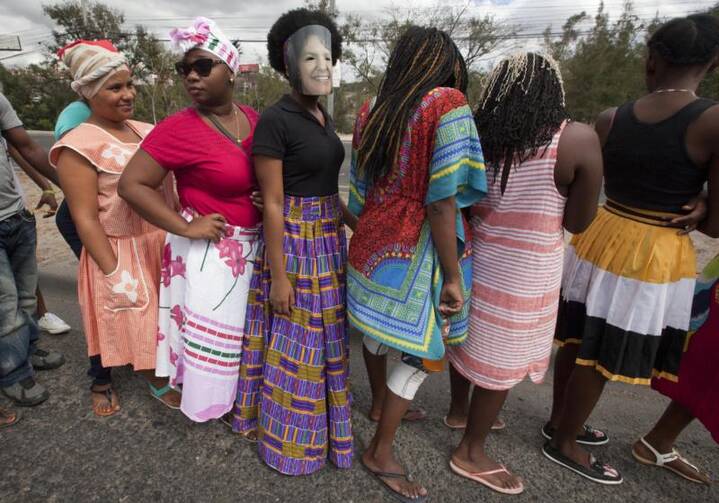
211	227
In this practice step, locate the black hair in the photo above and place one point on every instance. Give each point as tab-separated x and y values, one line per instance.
520	110
422	59
691	40
291	21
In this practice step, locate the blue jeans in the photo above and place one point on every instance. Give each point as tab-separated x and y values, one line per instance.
18	281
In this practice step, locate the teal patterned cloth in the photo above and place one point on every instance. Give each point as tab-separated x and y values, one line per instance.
394	272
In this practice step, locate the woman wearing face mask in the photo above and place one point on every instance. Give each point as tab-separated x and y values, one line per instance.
293	386
120	262
210	246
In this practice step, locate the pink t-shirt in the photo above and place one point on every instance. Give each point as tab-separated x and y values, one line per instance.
213	174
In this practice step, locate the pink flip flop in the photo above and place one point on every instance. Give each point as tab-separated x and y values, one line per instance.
478	477
498	425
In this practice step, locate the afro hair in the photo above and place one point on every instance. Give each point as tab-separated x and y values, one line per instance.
291	21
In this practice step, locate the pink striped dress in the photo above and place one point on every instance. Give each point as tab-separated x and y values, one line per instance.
517	252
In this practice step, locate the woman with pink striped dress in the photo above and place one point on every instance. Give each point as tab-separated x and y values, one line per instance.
547	174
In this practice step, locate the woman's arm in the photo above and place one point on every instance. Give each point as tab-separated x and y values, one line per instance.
349	219
269	176
442	217
579	169
78	179
138	186
710	121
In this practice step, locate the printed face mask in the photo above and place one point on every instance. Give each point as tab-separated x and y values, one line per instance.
308	59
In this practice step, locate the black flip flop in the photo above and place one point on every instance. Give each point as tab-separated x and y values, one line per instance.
398	496
589	435
597	471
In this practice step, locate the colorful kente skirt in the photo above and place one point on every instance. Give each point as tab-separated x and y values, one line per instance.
627	293
203	295
698	387
293	388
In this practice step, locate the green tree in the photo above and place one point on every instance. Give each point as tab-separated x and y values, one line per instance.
603	64
98	22
37	92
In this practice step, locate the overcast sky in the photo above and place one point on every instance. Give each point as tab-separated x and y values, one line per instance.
251	19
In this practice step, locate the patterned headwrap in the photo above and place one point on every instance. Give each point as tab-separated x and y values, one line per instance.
204	34
91	63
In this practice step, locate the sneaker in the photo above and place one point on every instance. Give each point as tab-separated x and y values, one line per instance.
46	360
53	324
27	392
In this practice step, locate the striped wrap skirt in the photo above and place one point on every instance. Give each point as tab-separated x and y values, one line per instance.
203	295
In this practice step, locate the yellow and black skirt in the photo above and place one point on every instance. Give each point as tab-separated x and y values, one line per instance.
627	291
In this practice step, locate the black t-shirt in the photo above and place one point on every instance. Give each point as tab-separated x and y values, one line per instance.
311	154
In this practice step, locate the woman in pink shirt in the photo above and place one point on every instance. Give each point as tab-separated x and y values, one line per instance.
210	245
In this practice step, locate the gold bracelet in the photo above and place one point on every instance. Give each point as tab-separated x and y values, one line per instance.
49	191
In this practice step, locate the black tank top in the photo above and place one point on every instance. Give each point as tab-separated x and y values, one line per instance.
647	165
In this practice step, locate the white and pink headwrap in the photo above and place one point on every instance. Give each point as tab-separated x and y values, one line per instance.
204	34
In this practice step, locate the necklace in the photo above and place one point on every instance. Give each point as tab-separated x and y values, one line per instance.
679	90
234	135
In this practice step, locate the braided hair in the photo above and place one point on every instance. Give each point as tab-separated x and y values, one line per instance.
422	59
683	41
521	108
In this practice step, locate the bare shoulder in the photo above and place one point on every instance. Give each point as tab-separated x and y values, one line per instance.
578	148
578	136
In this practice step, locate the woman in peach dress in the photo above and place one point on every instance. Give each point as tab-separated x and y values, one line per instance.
119	271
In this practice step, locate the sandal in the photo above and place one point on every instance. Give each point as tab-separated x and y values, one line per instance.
497	425
158	393
110	396
596	471
479	477
9	417
249	436
663	460
589	435
398	496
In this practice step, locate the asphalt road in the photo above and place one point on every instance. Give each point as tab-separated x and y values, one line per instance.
61	452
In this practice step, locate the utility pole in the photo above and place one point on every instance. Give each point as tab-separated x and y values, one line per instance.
331	97
83	6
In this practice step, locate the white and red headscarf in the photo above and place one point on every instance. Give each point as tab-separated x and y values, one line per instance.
204	34
91	63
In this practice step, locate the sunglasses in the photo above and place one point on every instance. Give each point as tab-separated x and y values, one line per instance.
201	67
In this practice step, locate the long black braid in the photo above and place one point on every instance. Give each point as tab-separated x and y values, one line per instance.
422	59
520	110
